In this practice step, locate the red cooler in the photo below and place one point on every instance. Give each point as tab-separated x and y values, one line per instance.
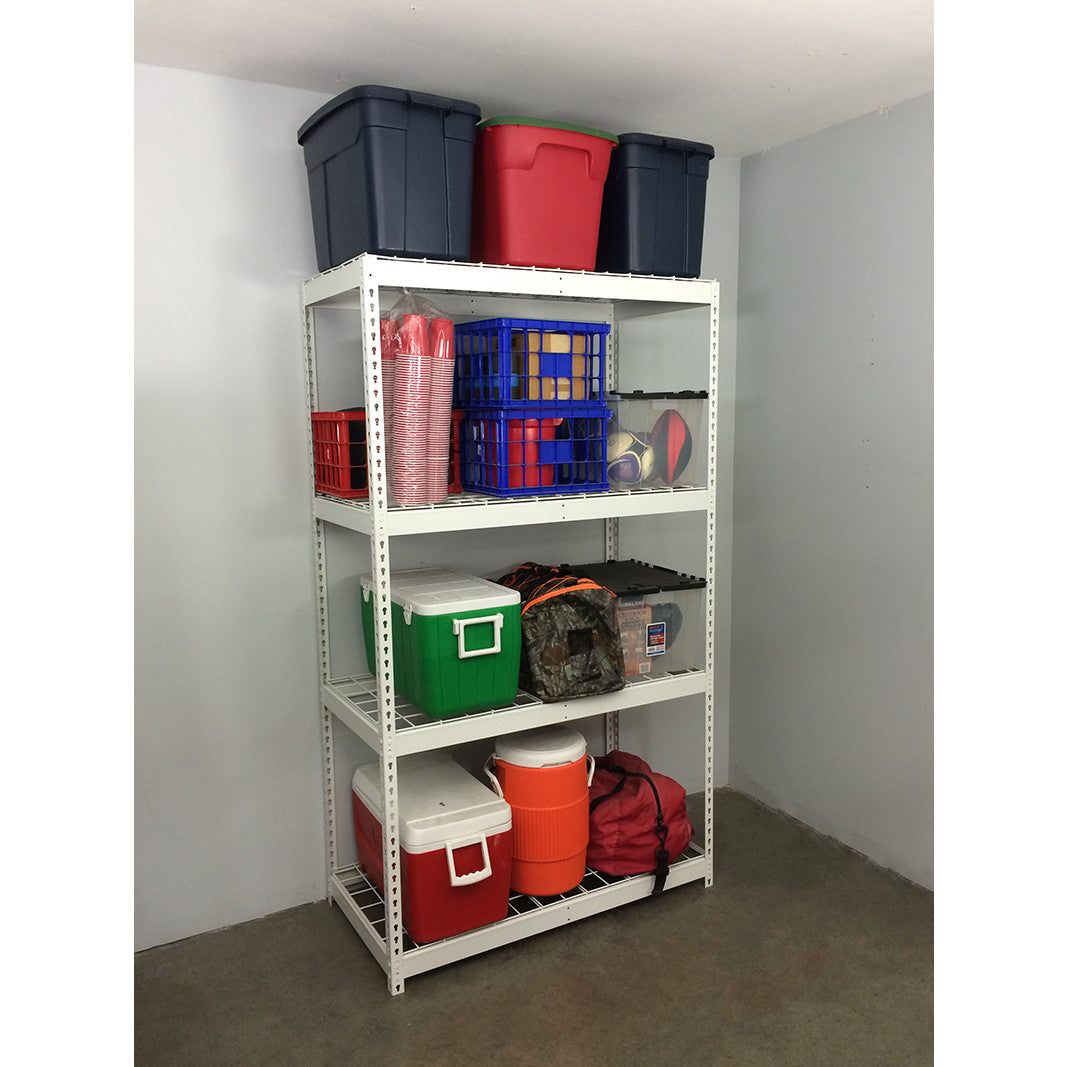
455	845
538	190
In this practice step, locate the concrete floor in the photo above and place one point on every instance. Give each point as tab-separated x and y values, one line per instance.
803	953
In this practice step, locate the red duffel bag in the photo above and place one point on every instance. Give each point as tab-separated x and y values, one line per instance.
637	818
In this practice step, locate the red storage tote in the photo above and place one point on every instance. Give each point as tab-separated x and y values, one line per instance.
537	193
455	844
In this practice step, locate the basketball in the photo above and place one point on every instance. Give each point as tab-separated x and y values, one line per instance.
672	446
629	459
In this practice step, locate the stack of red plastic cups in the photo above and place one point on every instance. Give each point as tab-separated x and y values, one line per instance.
439	427
388	329
411	411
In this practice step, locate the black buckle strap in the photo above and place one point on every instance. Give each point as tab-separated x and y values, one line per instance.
663	857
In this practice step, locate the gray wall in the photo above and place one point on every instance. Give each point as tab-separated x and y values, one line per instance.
831	715
228	815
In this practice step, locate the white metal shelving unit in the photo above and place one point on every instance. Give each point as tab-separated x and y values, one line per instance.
366	705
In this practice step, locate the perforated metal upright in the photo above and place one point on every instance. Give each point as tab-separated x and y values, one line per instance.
368	706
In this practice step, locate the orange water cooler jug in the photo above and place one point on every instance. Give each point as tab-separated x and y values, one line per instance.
545	775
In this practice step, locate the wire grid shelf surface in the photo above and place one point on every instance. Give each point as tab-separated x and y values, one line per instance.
368	900
361	692
471	498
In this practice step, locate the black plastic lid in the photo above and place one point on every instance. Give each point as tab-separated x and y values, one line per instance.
694	147
630	577
386	92
638	394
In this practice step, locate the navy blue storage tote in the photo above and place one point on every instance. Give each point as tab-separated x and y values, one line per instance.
652	219
390	172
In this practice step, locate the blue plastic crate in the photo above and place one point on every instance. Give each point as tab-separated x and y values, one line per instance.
514	362
536	450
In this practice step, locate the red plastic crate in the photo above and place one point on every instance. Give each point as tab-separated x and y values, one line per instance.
339	439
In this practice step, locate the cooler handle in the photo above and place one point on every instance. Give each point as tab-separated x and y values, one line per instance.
500	792
459	629
491	761
474	876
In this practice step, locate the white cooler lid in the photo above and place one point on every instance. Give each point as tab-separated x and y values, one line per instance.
439	801
439	591
549	746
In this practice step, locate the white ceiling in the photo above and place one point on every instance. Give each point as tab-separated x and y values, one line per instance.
742	75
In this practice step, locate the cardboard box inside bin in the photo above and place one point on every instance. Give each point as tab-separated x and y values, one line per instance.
660	613
548	376
657	439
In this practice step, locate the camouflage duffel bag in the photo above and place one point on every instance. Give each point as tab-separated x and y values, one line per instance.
570	638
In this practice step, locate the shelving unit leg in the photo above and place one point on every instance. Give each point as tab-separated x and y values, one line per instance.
377	476
709	594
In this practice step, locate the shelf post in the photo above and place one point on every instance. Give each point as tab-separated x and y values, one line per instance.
709	593
329	784
378	485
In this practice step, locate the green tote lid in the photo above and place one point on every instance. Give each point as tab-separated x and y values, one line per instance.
520	120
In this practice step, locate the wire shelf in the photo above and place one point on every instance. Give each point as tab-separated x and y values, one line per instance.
367	902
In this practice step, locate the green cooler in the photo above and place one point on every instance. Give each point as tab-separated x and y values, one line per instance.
456	639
